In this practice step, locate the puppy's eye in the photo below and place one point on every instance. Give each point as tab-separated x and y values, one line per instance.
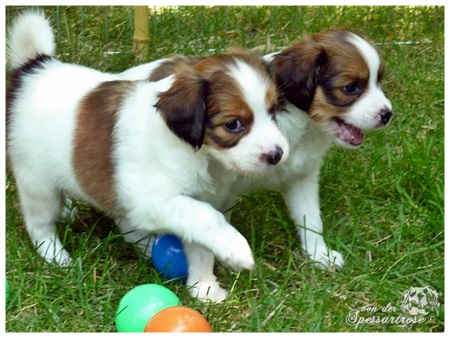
234	126
352	89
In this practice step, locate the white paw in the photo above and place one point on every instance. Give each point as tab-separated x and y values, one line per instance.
62	259
64	262
235	253
208	292
328	259
55	253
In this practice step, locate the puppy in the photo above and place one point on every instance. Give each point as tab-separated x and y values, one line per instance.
331	82
137	150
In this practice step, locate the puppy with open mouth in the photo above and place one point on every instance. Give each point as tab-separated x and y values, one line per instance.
138	150
331	83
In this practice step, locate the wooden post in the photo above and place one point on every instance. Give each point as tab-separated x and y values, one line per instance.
141	35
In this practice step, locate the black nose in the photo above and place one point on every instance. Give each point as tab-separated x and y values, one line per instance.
274	156
385	116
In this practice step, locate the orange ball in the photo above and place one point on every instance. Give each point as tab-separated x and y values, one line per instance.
178	319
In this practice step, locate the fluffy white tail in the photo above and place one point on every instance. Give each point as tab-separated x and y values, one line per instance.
31	35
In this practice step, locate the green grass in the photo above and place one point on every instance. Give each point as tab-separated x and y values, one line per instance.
382	205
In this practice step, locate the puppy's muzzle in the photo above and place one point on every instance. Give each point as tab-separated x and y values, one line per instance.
274	156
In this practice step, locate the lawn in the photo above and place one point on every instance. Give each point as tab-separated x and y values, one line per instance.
382	205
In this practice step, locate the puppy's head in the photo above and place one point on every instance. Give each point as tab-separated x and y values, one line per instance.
227	103
335	76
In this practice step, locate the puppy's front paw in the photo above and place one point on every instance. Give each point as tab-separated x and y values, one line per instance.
62	259
328	259
235	253
205	292
54	253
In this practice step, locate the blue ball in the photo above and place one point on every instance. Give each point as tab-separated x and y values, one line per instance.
169	258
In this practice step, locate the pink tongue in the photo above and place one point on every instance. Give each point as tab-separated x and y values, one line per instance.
350	134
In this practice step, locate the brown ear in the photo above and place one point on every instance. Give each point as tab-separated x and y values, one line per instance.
296	70
183	106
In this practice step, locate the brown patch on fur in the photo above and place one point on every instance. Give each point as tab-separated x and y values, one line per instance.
183	105
321	110
226	105
274	102
93	141
380	73
170	66
313	72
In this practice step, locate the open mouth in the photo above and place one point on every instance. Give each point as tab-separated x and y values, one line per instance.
348	133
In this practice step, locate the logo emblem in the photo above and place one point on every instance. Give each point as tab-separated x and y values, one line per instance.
420	301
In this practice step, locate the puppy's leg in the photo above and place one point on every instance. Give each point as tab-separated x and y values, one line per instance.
302	198
201	282
193	221
143	239
41	206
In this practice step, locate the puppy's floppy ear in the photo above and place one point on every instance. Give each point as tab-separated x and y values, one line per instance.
296	71
183	106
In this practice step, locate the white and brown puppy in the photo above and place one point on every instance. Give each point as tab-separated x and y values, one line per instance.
331	82
137	150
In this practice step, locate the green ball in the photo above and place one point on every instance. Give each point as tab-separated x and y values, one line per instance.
7	289
142	303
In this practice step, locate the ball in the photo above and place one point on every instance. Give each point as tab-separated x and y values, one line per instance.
178	319
168	257
142	303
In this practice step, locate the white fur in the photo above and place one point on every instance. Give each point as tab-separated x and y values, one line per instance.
157	175
297	178
32	35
